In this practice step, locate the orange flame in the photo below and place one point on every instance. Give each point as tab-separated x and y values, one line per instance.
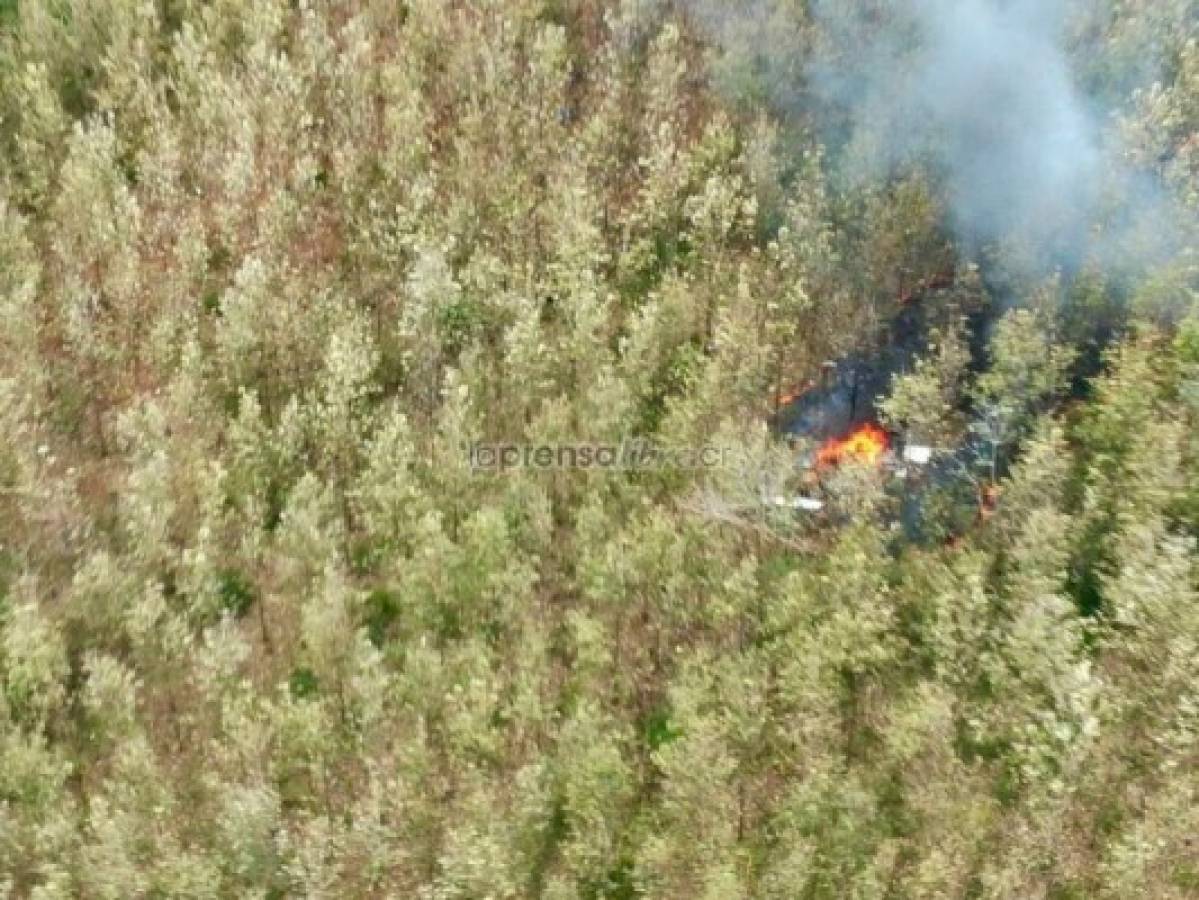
866	445
789	397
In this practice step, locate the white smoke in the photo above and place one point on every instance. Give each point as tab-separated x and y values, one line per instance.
981	92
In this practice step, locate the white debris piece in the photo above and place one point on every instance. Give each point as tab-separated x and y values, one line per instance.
806	504
917	454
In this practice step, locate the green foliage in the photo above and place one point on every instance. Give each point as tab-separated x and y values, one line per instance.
458	322
659	730
303	683
268	269
236	592
382	611
673	381
1187	342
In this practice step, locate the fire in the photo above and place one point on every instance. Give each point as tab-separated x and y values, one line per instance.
866	445
789	397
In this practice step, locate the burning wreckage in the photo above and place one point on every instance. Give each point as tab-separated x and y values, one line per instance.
835	421
843	434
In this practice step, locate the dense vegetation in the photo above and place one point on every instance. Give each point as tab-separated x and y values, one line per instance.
268	268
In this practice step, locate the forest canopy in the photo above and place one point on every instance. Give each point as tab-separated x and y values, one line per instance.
922	276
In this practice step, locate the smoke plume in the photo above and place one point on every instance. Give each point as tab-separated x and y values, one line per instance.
990	97
983	93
